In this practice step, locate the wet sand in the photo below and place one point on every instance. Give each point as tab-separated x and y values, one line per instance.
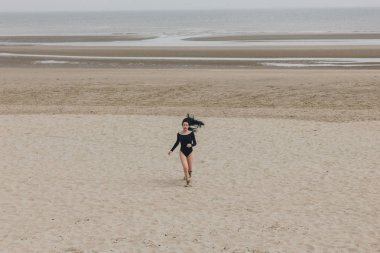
71	38
38	56
259	51
288	36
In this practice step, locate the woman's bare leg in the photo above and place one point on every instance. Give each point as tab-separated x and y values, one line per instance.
190	163
184	164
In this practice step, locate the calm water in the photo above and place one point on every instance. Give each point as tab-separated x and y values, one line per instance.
189	23
171	27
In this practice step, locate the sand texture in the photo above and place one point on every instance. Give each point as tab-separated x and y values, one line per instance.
104	183
288	161
333	95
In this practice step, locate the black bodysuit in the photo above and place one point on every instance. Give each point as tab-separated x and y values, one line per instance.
185	139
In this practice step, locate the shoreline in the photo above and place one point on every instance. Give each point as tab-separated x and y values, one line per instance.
261	51
222	37
309	57
287	36
71	38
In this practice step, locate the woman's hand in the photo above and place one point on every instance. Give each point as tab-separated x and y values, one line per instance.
170	152
188	145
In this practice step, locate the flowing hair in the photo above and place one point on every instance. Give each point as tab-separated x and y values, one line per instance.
193	123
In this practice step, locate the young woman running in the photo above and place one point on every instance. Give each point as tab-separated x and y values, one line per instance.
187	139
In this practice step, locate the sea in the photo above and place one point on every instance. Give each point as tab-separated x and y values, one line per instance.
170	28
175	27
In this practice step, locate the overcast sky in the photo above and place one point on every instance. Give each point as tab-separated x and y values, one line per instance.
93	5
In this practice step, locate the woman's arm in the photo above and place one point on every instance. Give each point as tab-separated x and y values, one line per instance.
194	140
175	144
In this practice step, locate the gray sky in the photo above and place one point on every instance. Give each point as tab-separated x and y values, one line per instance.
91	5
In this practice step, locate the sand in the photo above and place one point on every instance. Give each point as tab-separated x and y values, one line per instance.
322	95
287	162
288	36
190	57
349	51
104	183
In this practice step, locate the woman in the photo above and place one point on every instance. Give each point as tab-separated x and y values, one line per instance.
187	139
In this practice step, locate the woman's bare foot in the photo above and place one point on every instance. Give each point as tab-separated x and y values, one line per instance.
188	182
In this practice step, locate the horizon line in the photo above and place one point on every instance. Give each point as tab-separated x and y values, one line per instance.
195	9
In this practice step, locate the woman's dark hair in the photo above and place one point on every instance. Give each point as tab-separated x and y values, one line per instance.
193	123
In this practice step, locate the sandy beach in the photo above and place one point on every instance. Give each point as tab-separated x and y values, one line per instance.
104	183
321	95
287	162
